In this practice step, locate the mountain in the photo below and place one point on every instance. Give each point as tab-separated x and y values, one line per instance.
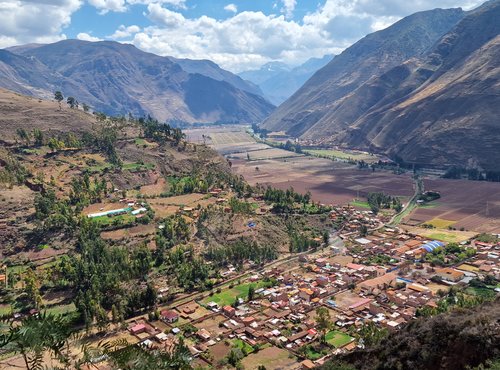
267	71
279	81
425	90
368	58
210	69
443	109
117	79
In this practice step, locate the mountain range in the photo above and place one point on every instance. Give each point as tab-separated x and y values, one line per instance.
425	90
118	79
278	81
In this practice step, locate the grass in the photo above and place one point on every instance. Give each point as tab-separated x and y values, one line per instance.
98	168
61	309
481	292
227	297
444	237
5	309
338	339
122	220
440	223
345	155
312	354
360	203
243	346
138	166
428	205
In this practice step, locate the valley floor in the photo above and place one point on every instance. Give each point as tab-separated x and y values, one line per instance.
464	205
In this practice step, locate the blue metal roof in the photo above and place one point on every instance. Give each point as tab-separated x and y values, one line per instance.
429	247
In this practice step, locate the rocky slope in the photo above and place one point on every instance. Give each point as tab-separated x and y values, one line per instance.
117	79
372	56
436	106
444	106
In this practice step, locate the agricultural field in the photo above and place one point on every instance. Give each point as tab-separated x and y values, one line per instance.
164	207
156	189
228	296
270	358
468	205
348	155
267	153
131	232
329	182
444	235
338	339
217	135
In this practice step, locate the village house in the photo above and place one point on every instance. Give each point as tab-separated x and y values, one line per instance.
229	311
169	316
449	274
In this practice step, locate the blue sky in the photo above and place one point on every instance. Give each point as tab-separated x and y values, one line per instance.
95	22
238	35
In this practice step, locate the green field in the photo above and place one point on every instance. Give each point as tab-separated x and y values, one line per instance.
439	223
345	155
122	220
481	292
337	338
227	297
243	346
444	237
138	166
360	203
312	354
61	309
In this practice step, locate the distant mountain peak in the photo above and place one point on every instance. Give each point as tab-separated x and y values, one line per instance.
279	81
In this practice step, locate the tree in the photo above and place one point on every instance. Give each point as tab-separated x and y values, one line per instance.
323	322
72	102
251	292
58	96
23	135
32	290
55	144
38	136
371	334
363	231
36	336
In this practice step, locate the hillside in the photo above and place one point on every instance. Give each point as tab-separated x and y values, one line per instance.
420	110
24	112
443	107
118	79
307	113
460	339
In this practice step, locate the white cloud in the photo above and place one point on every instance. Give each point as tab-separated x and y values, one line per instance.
106	6
119	6
164	16
288	7
245	40
179	4
34	21
249	39
123	32
87	37
231	8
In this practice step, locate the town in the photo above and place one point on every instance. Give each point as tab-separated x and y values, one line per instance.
350	291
